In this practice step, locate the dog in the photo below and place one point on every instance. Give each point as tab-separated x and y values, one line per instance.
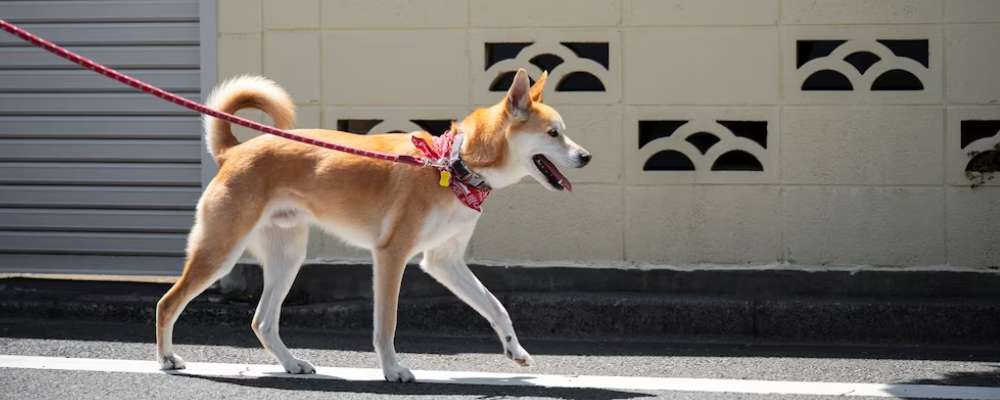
268	191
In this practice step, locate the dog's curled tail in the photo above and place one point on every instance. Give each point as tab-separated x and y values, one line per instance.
241	92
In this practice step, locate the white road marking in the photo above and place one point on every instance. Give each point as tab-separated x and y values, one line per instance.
623	383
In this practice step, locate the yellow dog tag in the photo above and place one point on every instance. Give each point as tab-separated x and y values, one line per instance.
445	179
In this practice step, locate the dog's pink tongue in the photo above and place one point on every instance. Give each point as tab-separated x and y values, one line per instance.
563	181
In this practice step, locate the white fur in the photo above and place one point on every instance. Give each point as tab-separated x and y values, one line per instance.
239	83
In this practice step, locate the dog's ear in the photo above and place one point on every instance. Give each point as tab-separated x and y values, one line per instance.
539	87
518	100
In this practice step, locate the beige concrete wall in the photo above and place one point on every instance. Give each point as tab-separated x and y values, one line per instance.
863	176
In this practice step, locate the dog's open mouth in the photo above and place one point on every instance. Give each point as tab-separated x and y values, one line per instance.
551	173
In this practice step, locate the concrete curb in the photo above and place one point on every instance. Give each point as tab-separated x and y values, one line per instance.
827	319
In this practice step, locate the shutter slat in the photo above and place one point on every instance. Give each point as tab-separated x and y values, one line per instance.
93	243
100	174
100	127
94	220
92	264
91	11
84	81
184	151
89	104
104	34
175	198
114	57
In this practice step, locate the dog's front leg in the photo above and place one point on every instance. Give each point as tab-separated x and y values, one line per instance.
388	273
446	264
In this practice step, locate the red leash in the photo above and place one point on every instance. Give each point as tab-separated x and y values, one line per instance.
201	108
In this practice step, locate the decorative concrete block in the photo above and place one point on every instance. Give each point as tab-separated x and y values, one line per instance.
973	61
308	117
699	12
598	129
861	11
291	14
862	64
293	61
243	134
551	13
848	225
862	145
973	227
702	224
397	67
396	14
678	145
526	222
701	65
238	54
239	16
584	65
973	140
366	120
971	11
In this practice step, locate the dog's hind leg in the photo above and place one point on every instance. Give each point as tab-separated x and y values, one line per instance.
389	266
281	250
214	245
446	264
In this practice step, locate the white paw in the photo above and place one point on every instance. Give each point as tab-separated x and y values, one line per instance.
519	355
297	366
171	362
397	373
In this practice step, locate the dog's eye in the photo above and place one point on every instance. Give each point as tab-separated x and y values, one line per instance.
553	133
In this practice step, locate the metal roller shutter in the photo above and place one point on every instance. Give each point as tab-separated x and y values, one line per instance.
95	177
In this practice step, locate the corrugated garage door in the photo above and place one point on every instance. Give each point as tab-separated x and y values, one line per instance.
94	176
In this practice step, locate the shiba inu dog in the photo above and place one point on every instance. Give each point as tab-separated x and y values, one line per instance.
269	190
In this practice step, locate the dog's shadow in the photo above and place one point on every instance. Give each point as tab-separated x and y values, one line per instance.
503	388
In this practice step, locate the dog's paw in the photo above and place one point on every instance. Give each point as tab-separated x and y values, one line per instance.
171	362
397	374
519	355
297	366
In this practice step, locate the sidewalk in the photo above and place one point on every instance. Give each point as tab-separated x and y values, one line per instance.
930	307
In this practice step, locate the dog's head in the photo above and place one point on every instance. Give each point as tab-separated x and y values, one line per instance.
523	136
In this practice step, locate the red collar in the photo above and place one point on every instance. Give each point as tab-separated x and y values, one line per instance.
468	186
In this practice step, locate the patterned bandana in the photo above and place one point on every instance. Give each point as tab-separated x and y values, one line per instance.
468	186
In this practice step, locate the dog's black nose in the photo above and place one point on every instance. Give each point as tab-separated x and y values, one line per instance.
584	158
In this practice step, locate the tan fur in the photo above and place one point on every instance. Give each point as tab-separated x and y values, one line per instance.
266	186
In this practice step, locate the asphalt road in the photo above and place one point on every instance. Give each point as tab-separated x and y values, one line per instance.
715	360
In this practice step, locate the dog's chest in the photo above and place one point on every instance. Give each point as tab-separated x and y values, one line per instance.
445	223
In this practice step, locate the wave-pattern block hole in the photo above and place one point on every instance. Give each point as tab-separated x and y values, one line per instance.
652	130
897	80
503	81
599	52
547	61
496	52
915	49
975	129
862	60
737	160
668	160
827	79
580	81
753	130
358	126
702	141
808	50
435	127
